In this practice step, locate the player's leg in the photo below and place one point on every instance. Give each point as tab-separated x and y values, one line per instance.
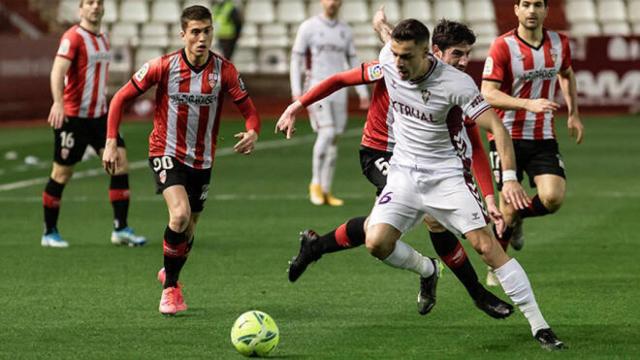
546	170
346	236
451	252
514	281
320	116
70	143
339	120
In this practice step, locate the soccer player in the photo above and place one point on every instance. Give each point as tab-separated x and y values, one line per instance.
519	79
426	173
78	117
452	44
191	85
329	44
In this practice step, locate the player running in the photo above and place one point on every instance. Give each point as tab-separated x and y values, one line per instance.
452	44
191	84
327	45
519	79
426	173
78	117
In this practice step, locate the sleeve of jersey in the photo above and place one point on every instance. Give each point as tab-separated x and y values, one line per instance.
148	75
233	83
355	76
480	161
250	114
496	62
68	46
566	53
470	100
127	93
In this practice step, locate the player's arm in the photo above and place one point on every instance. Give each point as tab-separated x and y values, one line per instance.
382	27
286	122
482	173
126	94
499	99
511	188
297	64
235	87
352	60
567	81
60	67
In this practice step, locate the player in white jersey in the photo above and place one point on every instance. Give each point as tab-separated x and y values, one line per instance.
328	43
427	175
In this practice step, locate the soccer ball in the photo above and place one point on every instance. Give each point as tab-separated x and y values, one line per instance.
255	334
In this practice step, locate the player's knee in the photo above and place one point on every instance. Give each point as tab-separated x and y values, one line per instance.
433	225
180	219
378	247
61	174
552	201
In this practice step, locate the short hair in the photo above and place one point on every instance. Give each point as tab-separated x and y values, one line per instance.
448	33
517	2
82	2
411	29
195	12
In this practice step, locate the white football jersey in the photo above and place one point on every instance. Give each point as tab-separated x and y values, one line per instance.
428	113
330	46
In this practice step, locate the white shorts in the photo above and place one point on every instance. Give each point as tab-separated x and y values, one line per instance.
328	113
409	195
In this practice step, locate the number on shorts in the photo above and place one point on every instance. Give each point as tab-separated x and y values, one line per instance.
67	140
385	198
383	166
164	163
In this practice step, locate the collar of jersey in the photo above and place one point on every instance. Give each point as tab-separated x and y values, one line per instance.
544	37
89	31
193	67
331	23
434	63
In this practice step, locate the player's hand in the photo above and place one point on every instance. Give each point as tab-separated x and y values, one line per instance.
541	105
110	156
576	129
287	121
515	195
379	18
495	214
364	103
56	115
247	142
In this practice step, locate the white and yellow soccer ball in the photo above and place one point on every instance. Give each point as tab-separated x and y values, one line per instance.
255	334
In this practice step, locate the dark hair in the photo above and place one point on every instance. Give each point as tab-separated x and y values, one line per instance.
517	2
448	33
195	12
411	29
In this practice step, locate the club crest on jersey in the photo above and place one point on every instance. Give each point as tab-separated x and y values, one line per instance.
213	79
426	94
554	55
163	176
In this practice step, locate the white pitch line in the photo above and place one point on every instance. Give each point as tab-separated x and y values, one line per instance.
266	145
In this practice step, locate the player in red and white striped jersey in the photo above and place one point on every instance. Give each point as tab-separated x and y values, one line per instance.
519	79
78	117
452	44
191	86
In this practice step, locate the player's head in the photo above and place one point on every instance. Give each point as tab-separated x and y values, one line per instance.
331	7
410	45
197	29
91	11
452	43
531	13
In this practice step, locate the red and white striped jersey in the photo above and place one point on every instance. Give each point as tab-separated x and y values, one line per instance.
188	105
377	133
86	80
528	72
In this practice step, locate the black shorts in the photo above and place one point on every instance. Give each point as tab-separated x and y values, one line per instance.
375	166
167	171
535	157
76	133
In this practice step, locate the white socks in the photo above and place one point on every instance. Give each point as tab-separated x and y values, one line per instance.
329	168
406	257
516	285
321	156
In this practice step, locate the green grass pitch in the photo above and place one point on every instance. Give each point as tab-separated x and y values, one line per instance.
97	301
